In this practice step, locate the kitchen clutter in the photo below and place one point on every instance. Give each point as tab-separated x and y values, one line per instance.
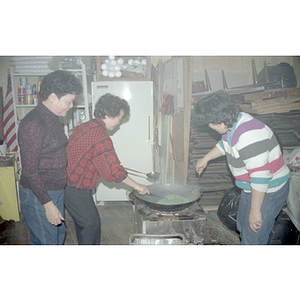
161	135
37	65
5	224
3	148
116	67
4	161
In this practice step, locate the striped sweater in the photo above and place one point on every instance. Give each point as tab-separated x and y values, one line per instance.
254	156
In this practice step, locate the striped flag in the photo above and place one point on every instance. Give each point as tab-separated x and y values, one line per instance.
9	121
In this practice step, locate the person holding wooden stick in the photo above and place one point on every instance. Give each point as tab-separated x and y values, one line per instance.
255	160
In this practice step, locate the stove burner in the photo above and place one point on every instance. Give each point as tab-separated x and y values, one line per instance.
160	213
186	212
190	221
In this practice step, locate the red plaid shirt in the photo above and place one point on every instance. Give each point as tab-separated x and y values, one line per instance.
91	155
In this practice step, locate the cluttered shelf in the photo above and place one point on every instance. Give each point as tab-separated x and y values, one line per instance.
123	68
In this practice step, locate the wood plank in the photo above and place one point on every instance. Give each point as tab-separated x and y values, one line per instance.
210	207
188	75
273	93
276	101
178	126
248	110
280	109
274	105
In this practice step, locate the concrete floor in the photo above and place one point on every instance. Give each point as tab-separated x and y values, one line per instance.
117	223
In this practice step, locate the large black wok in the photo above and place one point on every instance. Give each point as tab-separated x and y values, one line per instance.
159	191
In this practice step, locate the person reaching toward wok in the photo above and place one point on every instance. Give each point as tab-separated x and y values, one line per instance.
91	155
255	160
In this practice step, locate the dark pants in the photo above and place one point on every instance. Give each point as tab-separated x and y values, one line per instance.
81	206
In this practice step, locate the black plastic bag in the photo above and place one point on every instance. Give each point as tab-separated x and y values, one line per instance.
284	231
282	73
228	208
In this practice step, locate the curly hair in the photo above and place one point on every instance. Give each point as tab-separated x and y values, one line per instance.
110	105
217	108
60	83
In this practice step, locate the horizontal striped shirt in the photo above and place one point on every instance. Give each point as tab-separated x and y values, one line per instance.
254	156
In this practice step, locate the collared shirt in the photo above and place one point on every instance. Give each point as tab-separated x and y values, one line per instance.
231	132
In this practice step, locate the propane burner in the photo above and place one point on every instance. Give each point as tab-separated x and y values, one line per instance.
189	222
166	214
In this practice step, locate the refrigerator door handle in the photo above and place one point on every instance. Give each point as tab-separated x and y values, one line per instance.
149	128
105	86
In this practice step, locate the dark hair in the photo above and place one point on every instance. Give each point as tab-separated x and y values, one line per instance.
110	105
60	83
217	108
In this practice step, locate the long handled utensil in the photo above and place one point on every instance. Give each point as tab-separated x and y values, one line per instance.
151	175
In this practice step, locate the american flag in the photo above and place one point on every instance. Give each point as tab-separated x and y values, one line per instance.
9	121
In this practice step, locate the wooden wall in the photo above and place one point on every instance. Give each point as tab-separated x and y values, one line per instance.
175	80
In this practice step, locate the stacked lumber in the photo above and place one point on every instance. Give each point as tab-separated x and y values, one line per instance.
270	101
216	179
283	125
278	108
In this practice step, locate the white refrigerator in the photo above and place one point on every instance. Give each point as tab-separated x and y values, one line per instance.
133	139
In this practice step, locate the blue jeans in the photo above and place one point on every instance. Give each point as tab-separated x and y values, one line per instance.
270	209
42	232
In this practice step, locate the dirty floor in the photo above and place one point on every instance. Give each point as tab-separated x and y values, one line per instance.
117	224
